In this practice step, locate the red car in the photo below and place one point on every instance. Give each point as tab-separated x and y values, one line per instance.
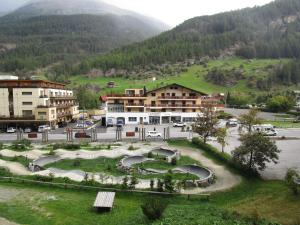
82	135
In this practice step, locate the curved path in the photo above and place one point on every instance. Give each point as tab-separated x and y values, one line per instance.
225	179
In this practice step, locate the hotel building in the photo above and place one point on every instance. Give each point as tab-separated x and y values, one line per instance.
163	105
30	103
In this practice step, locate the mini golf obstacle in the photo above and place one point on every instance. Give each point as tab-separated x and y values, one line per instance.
205	176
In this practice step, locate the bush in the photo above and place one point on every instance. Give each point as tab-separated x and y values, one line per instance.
66	146
5	172
1	145
154	208
43	178
131	148
21	145
174	161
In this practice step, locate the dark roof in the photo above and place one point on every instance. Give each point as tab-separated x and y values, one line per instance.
31	84
178	85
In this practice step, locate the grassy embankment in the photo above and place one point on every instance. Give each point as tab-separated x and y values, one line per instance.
35	205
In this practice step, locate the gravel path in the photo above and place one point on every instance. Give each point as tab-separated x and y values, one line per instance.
6	222
225	179
15	168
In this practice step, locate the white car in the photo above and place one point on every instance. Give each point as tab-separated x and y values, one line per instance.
44	128
179	124
27	130
11	130
153	134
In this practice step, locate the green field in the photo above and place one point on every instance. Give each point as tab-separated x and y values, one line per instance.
193	78
254	201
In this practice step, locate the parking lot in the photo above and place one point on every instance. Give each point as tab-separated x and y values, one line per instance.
288	158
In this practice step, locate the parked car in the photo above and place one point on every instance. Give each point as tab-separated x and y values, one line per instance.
81	125
44	128
179	124
62	125
120	123
11	130
265	129
27	130
109	123
153	134
82	135
232	123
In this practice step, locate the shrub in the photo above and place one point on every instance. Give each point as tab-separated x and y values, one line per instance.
174	161
290	177
150	155
43	178
131	148
153	209
1	145
66	146
76	163
5	172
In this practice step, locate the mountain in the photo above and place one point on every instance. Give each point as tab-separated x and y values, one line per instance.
10	5
44	32
73	7
270	31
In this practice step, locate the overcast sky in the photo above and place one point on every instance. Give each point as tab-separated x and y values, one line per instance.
174	12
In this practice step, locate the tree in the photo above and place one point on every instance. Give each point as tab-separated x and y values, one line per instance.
255	151
290	178
152	184
160	186
206	123
153	209
250	119
169	183
133	181
221	137
280	104
125	182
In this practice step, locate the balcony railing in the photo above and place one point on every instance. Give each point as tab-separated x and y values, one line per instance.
62	97
125	96
174	106
61	115
17	117
60	106
134	105
178	97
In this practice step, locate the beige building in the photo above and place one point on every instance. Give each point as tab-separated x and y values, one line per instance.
35	102
159	106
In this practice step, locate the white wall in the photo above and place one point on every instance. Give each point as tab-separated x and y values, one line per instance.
4	104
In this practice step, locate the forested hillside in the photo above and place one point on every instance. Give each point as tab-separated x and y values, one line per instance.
40	41
270	31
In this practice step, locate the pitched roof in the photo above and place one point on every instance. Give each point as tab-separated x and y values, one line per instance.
178	85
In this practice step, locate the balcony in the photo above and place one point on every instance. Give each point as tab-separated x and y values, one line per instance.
124	96
61	106
135	105
180	98
18	118
44	96
62	97
175	106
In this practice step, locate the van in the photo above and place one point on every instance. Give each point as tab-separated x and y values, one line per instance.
265	129
44	128
109	122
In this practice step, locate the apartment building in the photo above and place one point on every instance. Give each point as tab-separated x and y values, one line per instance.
163	105
35	102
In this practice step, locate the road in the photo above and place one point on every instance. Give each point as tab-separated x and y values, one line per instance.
262	115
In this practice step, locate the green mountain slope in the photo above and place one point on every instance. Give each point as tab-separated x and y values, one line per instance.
40	41
270	31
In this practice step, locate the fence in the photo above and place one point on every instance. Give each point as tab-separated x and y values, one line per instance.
85	187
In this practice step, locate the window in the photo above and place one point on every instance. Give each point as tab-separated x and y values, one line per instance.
153	94
27	103
26	93
27	112
52	111
173	94
42	113
132	119
183	94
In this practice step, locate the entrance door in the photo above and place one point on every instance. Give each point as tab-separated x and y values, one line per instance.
141	120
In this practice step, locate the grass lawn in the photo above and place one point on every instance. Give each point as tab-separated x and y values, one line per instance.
109	166
92	165
19	159
282	124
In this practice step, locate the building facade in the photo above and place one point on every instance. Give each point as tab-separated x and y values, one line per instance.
35	102
171	103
